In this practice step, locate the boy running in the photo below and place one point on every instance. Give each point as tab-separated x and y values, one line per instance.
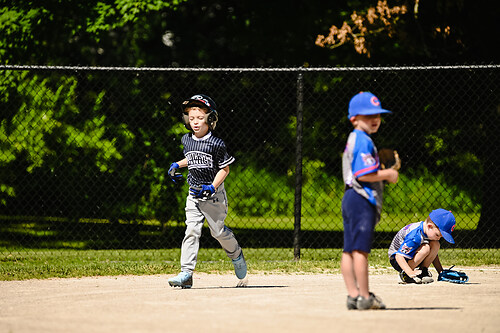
208	166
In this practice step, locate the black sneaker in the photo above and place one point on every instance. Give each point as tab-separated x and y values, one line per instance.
406	278
426	276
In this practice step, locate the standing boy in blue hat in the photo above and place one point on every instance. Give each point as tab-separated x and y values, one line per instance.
416	246
362	201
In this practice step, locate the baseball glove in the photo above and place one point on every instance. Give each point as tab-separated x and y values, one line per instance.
450	275
389	159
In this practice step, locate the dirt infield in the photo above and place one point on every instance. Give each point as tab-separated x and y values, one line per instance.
270	303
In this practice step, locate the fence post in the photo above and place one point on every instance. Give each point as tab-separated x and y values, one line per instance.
298	168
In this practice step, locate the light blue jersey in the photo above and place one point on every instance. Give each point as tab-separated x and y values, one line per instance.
361	158
408	240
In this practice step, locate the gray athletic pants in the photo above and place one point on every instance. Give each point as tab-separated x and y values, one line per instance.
214	210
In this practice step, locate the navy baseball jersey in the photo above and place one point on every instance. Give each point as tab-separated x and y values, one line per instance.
205	157
408	240
361	158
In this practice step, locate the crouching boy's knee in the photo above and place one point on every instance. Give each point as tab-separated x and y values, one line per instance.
424	249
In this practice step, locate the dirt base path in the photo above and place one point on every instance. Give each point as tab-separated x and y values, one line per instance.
271	303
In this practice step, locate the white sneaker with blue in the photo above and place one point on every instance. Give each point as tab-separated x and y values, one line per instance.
240	268
183	280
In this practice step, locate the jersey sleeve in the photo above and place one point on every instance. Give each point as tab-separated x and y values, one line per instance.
365	159
410	245
223	157
183	142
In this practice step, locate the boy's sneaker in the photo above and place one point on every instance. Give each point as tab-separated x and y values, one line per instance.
422	278
351	303
426	276
183	280
407	279
240	266
373	302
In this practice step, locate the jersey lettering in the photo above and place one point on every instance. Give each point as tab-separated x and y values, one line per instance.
205	156
199	160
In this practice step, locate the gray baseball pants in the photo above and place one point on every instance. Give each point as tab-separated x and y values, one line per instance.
214	210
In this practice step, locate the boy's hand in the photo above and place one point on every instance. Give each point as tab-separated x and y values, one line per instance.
415	273
389	159
173	173
205	192
391	175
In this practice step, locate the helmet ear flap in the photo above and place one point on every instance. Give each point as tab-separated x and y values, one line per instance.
185	117
212	119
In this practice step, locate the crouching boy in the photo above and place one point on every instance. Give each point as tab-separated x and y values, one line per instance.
416	246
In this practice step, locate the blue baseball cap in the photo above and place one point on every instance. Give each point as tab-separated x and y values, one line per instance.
365	103
445	221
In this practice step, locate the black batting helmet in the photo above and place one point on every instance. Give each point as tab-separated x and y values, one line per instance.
203	101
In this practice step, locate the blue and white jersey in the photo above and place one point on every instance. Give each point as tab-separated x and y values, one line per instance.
205	157
361	158
408	240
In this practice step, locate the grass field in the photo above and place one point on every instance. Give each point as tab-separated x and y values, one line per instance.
22	264
388	222
331	222
66	257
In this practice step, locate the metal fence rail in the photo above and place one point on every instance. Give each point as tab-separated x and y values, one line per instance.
84	153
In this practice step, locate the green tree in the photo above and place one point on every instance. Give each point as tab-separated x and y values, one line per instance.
48	125
79	32
40	120
427	32
415	31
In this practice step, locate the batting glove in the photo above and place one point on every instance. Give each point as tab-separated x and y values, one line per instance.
206	191
173	173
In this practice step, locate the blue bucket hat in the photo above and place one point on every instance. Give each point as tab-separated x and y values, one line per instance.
365	103
445	221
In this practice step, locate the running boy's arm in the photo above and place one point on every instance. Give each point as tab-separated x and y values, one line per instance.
404	265
183	163
220	176
389	175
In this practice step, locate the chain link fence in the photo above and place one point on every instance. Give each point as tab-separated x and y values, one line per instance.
84	153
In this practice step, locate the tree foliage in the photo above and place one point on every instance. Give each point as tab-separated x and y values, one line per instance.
380	19
51	120
244	33
43	127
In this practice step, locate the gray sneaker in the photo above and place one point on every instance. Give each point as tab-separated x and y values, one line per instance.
373	302
183	280
240	266
351	303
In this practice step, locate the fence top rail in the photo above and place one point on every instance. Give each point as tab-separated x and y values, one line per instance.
248	69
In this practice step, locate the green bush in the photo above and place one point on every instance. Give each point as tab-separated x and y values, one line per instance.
258	192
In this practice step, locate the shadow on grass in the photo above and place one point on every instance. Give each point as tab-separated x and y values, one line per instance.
56	234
